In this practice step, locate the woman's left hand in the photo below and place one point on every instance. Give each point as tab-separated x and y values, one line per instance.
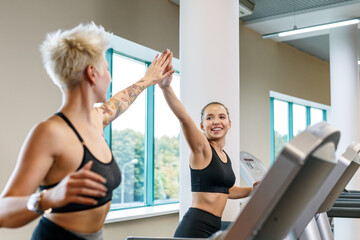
256	185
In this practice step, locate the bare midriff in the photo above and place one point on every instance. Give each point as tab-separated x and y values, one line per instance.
86	221
211	202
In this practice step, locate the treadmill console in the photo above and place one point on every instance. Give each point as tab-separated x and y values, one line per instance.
251	168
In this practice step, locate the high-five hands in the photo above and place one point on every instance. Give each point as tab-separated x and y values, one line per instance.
167	81
159	68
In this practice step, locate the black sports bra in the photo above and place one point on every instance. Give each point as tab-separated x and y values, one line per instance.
216	177
110	171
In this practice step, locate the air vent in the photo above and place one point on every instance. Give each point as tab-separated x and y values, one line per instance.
246	7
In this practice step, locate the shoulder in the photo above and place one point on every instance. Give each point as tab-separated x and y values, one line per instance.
48	131
52	125
199	160
36	157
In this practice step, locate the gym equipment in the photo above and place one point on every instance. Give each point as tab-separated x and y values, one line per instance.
289	192
318	227
289	186
251	168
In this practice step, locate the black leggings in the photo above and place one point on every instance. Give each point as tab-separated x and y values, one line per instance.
47	230
198	223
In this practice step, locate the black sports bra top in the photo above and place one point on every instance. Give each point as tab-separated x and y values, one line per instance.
110	171
216	177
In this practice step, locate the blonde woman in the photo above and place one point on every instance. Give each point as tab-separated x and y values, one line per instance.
67	155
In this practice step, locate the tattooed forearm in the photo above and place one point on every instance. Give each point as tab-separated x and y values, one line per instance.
111	110
134	91
120	102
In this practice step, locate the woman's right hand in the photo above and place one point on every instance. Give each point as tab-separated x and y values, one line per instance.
167	80
80	187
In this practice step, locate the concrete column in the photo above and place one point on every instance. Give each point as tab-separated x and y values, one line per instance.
344	114
209	56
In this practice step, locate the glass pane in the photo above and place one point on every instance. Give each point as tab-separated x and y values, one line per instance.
281	125
299	119
128	136
316	115
166	151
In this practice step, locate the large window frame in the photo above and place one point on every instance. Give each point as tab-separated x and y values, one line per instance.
309	105
146	55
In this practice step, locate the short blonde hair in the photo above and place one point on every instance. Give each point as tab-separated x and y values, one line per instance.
66	54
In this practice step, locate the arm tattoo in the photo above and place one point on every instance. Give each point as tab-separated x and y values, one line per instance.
111	109
120	102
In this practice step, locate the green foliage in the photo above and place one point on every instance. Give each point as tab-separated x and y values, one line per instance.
128	145
166	184
280	142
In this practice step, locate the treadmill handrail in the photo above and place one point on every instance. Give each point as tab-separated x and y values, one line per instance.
281	181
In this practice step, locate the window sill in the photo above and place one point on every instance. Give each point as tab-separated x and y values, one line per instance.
142	212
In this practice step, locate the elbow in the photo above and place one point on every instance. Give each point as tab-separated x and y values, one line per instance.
11	224
231	194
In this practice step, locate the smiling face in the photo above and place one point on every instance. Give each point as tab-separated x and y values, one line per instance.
215	121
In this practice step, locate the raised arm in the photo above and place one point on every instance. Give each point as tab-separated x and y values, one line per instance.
194	137
122	100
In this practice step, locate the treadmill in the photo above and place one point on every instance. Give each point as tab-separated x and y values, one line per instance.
287	188
346	206
318	227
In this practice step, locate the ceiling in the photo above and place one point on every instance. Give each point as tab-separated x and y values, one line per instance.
271	16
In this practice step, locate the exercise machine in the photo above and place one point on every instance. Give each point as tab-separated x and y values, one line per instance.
288	188
318	227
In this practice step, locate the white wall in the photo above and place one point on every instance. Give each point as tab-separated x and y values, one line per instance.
210	72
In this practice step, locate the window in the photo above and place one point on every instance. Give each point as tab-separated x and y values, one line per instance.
145	138
166	154
281	125
289	117
128	135
316	115
299	119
